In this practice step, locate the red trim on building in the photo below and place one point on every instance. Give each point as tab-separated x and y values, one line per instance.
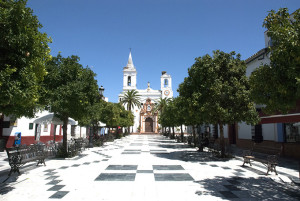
280	119
31	140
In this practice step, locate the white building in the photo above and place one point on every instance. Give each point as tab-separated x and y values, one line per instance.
145	117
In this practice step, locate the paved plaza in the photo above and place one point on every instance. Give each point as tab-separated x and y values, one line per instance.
148	167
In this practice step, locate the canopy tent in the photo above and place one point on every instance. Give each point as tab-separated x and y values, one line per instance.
52	119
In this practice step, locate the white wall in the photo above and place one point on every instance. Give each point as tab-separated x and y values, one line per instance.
23	127
269	132
244	131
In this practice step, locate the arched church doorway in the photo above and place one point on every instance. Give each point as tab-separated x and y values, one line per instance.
149	125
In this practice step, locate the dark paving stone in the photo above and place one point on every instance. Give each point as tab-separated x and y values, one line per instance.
158	153
51	173
144	171
86	163
64	167
105	160
131	152
173	177
59	194
49	170
232	187
167	146
53	182
238	174
122	167
75	165
116	177
226	168
56	188
213	165
96	161
167	167
52	177
203	163
228	194
239	170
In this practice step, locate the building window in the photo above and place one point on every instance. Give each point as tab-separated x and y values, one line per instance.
129	81
30	126
166	83
73	130
215	131
45	127
292	132
13	121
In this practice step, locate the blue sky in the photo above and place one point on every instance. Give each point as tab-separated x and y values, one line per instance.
165	35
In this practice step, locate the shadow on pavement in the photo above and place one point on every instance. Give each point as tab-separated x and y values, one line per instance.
190	156
6	184
248	188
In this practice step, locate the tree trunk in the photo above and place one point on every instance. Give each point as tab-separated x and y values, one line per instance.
222	142
173	132
182	134
65	136
200	146
194	135
129	109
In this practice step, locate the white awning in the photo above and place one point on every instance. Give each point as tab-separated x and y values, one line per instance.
51	119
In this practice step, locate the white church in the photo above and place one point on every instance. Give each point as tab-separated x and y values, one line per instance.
145	117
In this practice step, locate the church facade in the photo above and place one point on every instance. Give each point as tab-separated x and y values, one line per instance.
145	116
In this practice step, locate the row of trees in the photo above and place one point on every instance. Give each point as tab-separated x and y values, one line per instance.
218	92
31	79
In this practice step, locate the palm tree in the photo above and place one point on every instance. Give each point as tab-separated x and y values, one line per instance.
131	98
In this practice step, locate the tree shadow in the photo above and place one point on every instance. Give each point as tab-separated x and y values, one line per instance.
190	156
260	188
6	184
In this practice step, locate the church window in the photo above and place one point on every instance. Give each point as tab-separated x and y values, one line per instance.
148	108
166	83
129	81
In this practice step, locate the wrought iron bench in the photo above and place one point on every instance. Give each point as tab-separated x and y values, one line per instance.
18	156
269	158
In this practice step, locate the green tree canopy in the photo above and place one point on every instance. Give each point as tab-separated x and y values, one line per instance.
24	52
281	90
70	90
218	87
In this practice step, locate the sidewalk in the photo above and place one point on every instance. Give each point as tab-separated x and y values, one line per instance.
147	167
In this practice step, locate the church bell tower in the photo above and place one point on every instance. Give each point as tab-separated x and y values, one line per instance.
129	75
166	85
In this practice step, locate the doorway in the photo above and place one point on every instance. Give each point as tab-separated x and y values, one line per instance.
149	125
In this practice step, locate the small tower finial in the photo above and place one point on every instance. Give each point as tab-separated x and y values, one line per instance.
130	63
